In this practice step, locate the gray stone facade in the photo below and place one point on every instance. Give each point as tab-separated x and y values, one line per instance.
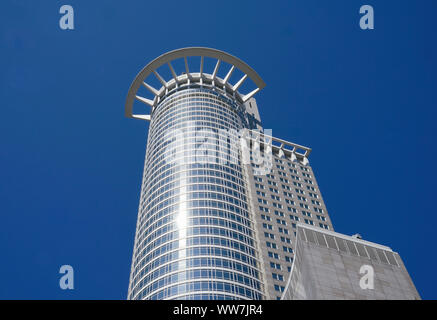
332	266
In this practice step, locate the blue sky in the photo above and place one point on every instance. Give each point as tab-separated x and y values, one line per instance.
71	163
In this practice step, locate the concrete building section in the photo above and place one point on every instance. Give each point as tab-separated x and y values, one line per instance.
252	114
333	266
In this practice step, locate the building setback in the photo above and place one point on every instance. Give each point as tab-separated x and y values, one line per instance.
333	266
287	195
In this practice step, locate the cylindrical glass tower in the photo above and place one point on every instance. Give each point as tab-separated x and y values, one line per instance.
195	237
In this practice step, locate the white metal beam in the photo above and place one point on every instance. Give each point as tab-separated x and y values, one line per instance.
214	74
250	94
145	100
173	73
239	83
164	83
201	66
142	116
225	80
186	68
151	89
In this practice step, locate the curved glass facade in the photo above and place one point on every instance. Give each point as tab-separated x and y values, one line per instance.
194	238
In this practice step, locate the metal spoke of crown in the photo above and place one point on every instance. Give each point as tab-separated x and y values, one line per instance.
189	77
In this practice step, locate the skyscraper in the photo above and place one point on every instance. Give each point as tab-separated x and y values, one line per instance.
220	198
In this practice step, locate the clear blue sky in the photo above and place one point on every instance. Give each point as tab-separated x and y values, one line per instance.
71	163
